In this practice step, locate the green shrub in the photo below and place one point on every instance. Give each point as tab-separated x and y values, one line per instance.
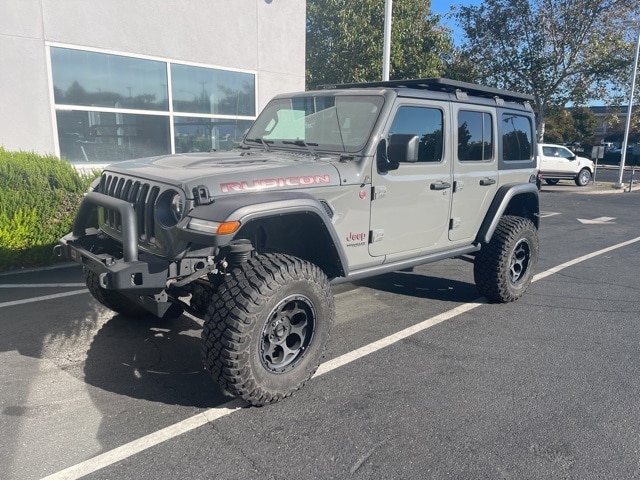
39	195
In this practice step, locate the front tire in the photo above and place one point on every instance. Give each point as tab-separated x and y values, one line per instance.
503	269
112	299
583	178
267	327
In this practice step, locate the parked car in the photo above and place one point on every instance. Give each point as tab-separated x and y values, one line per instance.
328	186
559	163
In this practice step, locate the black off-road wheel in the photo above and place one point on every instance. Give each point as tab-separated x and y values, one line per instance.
112	299
267	327
504	268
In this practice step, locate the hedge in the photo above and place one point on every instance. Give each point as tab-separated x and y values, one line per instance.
39	195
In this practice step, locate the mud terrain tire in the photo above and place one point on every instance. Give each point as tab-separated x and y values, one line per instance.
112	299
267	327
504	268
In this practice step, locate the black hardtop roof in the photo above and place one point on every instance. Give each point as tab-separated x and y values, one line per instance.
441	85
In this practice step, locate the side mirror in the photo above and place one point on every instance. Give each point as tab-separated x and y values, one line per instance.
382	159
403	148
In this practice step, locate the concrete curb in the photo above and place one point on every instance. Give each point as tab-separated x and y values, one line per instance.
599	188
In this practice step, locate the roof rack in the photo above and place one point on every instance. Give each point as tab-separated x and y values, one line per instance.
440	84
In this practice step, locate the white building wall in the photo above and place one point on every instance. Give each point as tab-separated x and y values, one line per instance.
264	36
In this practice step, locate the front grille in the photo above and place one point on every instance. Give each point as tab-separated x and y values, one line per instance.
143	197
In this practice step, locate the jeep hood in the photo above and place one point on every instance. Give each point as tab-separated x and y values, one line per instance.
232	172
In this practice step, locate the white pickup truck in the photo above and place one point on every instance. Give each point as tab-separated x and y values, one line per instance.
559	163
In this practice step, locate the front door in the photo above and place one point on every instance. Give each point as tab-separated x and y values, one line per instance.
410	205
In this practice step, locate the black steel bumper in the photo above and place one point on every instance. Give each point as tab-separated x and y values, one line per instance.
134	273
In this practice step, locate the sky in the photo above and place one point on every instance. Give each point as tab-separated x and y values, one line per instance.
443	7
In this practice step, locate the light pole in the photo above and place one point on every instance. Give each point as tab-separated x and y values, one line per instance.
625	140
386	49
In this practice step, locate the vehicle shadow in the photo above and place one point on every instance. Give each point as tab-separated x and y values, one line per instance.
152	359
417	285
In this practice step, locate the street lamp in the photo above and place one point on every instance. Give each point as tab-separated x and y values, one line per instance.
625	140
386	49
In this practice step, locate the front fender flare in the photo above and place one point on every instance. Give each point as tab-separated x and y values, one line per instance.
252	206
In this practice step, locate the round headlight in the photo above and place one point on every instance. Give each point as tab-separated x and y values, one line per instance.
177	206
169	208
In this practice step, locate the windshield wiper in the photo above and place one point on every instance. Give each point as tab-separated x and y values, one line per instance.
302	143
262	141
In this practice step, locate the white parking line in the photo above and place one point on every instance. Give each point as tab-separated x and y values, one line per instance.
42	285
44	297
125	451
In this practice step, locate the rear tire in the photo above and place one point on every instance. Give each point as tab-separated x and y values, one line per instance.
267	327
503	268
551	181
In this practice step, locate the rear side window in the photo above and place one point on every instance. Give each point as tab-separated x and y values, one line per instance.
424	122
475	136
517	137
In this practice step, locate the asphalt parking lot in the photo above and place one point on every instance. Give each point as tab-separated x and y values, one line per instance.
422	378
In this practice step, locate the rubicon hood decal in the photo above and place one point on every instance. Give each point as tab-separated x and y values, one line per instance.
280	182
232	173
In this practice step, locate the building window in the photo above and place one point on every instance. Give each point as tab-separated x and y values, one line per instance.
116	107
208	90
100	80
197	134
106	137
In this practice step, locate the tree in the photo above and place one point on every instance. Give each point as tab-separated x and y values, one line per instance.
559	51
577	124
345	41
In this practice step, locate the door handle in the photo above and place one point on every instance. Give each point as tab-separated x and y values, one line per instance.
487	181
440	186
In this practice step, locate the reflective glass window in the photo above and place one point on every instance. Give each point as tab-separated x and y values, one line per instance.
517	137
106	137
212	91
103	80
207	134
475	136
427	124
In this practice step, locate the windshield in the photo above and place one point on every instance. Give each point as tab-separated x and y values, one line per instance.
322	122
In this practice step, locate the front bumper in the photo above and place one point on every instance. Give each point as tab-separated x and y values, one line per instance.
134	273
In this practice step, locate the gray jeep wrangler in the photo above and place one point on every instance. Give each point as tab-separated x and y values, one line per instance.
328	186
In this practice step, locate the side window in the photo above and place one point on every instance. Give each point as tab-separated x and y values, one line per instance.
549	151
424	122
475	136
517	137
564	153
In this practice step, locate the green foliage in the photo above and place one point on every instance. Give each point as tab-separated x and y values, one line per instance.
556	50
38	199
577	124
345	41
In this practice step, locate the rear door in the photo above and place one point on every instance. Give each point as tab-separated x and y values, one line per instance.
475	171
410	205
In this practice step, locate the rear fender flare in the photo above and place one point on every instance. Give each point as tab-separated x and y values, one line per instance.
515	199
